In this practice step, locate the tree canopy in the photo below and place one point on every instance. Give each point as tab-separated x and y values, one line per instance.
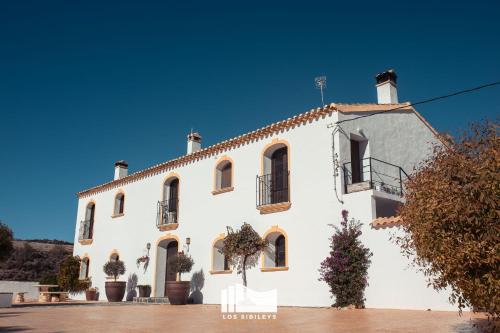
242	248
6	238
451	218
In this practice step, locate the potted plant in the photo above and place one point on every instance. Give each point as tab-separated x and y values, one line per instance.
92	293
178	291
144	290
115	290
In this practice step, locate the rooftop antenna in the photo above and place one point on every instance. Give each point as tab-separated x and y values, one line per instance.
320	83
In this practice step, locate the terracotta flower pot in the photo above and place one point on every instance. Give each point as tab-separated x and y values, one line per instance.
144	290
177	292
115	290
91	295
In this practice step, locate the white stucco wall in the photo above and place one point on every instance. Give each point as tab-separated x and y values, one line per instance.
20	286
203	217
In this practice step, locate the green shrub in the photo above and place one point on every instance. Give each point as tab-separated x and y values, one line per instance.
181	263
68	278
114	268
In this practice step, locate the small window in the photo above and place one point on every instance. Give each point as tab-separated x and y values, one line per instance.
275	255
114	257
119	204
279	249
220	262
84	268
224	175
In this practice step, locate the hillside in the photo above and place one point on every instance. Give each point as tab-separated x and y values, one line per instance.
33	260
41	246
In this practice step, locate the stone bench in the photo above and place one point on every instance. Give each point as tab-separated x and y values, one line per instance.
52	296
20	296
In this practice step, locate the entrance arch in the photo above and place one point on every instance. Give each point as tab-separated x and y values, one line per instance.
166	247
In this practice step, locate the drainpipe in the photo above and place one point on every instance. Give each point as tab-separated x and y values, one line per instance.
335	159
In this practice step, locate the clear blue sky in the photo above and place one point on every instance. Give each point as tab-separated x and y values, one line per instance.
86	83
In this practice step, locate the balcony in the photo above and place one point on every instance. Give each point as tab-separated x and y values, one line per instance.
167	215
85	233
273	192
372	173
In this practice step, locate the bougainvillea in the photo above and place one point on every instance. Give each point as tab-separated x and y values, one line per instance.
345	270
451	218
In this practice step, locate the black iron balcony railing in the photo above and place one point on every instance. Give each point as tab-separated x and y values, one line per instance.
85	230
272	189
375	174
167	212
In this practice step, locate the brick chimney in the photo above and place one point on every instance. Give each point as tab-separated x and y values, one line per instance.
387	91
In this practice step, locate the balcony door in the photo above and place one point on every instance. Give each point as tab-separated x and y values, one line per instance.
279	176
173	195
356	168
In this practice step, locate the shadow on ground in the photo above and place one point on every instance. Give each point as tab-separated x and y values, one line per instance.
14	328
11	314
478	325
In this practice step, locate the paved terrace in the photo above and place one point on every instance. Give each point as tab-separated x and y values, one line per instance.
207	318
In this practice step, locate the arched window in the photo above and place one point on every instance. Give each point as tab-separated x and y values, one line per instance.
273	185
219	261
119	204
275	256
223	176
87	225
114	256
84	268
279	252
170	204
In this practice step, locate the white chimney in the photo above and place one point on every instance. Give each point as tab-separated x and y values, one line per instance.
387	91
121	169
194	142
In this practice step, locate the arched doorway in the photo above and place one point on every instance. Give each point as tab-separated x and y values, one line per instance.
167	248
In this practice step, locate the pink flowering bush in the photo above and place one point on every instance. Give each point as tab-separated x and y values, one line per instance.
345	270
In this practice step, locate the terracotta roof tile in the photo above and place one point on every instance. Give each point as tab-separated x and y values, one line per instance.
300	119
386	222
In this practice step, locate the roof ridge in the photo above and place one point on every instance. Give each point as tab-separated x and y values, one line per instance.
303	117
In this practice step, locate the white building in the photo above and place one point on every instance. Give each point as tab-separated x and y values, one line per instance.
289	180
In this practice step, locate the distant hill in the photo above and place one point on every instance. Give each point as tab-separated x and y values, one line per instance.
34	260
42	244
47	241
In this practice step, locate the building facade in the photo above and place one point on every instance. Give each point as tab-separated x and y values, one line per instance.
289	180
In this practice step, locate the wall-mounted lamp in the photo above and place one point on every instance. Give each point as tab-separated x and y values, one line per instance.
148	246
188	242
